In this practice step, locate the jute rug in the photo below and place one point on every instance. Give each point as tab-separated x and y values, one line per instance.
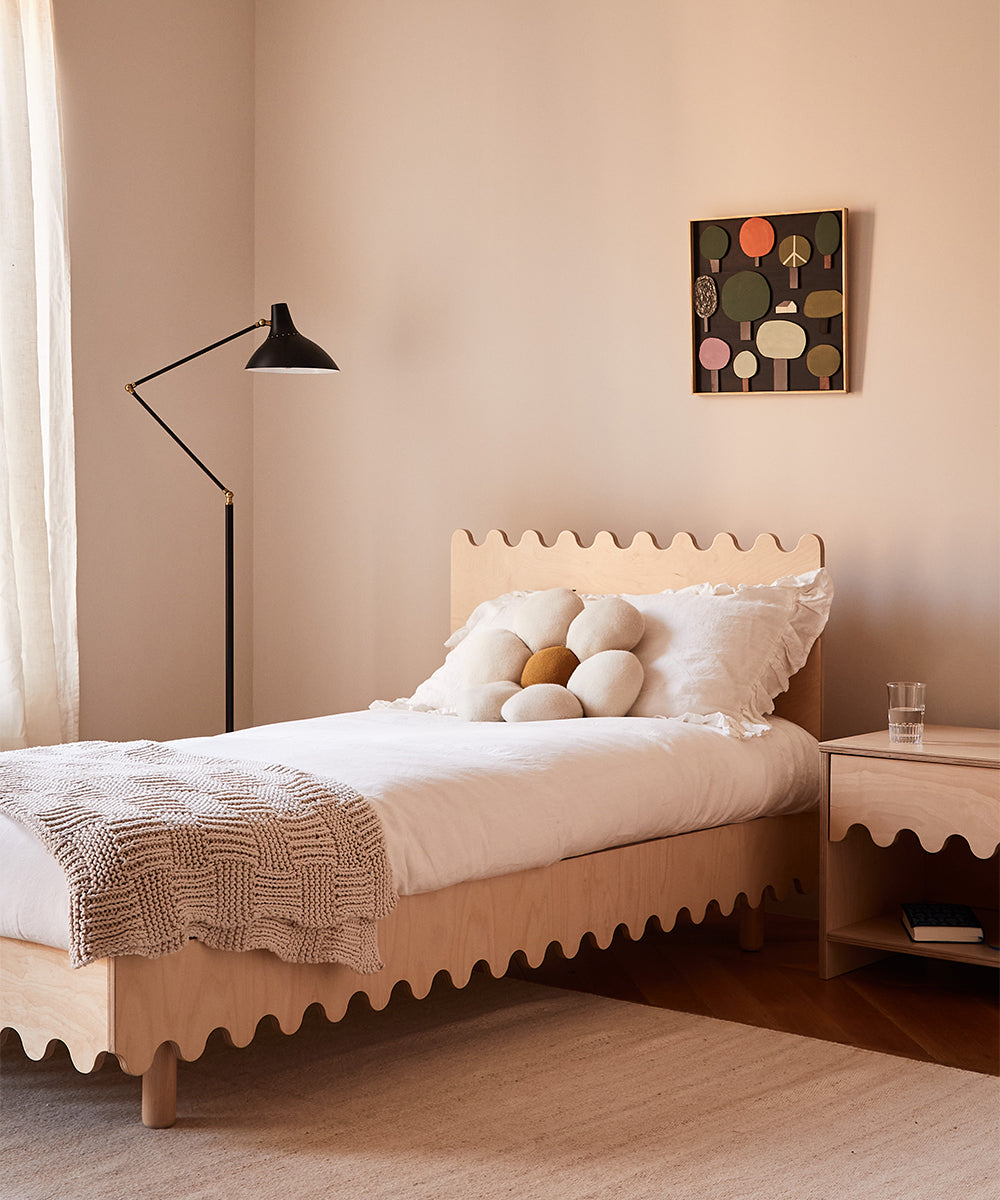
510	1090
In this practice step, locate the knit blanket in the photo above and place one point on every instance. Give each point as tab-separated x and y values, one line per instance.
160	847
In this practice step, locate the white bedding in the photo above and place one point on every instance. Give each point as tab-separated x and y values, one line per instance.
463	800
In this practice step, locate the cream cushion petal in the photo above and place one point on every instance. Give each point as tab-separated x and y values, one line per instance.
543	618
483	701
542	702
609	623
607	684
492	655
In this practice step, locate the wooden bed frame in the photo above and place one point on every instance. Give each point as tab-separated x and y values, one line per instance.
147	1012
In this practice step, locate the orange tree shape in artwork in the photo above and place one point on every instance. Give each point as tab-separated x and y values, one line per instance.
756	238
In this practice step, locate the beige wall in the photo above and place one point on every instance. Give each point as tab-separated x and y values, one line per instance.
484	208
158	116
481	209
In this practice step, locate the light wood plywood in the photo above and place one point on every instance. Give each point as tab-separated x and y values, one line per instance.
907	823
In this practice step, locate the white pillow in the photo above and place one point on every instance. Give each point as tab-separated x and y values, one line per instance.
718	655
441	691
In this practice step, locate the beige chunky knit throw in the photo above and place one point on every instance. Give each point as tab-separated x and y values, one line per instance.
160	846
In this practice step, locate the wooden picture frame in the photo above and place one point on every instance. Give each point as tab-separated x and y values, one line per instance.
769	303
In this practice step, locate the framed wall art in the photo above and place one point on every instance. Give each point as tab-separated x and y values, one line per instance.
769	303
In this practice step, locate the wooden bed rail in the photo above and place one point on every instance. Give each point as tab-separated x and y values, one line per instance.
147	1017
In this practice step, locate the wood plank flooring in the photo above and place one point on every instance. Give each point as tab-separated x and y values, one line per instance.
914	1007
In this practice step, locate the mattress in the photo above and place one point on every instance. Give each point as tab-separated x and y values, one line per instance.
462	800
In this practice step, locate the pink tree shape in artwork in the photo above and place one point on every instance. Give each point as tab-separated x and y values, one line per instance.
756	238
713	354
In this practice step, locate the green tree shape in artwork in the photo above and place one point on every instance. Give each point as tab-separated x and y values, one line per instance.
746	296
714	245
824	306
713	354
756	238
827	235
745	367
794	252
823	361
706	299
781	341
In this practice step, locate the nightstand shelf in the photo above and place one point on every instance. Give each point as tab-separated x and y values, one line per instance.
886	933
905	823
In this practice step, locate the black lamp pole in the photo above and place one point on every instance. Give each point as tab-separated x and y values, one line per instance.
285	351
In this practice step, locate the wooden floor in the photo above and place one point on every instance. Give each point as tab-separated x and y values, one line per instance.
914	1007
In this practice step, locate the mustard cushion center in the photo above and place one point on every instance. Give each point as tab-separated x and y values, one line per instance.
554	664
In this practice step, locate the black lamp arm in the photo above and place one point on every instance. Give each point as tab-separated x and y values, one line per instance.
131	389
198	353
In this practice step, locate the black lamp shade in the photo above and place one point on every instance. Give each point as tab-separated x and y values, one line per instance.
286	350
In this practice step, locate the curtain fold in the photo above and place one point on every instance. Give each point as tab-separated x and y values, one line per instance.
39	672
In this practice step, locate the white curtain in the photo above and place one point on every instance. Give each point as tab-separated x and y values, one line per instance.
39	674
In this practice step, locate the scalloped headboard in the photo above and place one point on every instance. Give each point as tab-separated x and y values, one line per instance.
479	572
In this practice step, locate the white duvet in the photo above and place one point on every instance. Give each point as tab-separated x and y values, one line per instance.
464	801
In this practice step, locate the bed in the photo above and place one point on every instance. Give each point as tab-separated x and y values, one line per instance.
147	1012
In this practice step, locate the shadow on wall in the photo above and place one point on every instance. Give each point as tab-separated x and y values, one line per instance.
861	239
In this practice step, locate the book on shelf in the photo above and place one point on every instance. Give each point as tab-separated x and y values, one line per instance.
942	923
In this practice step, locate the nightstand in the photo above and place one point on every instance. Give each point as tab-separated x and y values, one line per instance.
903	822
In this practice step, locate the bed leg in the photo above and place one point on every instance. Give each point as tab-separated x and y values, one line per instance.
159	1089
752	927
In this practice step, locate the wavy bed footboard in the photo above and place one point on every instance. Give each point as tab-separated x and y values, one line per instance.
131	1007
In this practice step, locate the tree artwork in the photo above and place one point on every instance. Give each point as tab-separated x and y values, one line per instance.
714	245
756	238
769	286
824	362
824	306
781	340
794	252
827	237
745	367
746	296
713	356
706	298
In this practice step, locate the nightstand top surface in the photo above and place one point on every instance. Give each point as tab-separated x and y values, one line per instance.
942	743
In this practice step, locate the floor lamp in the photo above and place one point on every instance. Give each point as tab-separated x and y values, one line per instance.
284	351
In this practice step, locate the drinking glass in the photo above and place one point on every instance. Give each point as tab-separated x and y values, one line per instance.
906	712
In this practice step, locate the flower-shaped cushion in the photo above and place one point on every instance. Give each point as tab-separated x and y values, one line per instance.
560	658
